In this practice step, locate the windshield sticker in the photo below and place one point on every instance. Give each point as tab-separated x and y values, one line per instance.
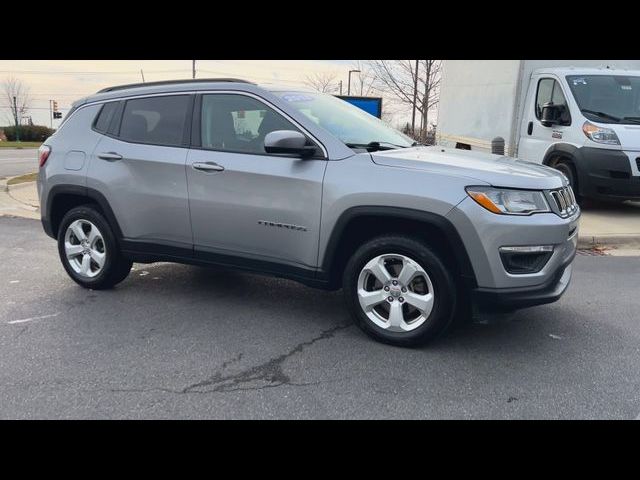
626	87
297	97
579	81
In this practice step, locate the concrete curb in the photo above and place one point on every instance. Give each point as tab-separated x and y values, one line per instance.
626	239
3	184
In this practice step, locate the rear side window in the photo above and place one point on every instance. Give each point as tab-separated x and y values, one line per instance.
156	120
105	116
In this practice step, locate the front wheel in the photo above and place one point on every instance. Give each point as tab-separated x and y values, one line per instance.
399	291
89	251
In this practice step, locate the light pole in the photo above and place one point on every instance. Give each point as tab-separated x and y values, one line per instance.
349	84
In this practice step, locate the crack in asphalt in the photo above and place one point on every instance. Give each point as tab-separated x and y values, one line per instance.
268	374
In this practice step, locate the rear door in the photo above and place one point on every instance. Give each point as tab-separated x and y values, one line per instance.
244	201
535	138
139	166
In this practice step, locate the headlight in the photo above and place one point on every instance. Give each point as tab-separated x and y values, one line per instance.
509	202
600	134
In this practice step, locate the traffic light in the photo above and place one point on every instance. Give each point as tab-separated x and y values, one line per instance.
54	108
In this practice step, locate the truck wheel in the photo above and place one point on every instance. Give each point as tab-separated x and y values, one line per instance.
398	290
89	251
569	171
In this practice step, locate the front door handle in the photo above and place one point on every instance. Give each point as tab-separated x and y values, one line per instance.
110	156
207	167
530	128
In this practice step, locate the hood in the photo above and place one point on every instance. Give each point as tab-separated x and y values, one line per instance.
629	135
482	168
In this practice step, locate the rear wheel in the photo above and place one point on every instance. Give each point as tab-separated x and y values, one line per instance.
399	291
89	251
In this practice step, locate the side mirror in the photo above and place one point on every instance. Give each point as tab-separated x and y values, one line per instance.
288	142
550	114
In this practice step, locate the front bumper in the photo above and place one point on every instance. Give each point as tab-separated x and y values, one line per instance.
607	174
487	300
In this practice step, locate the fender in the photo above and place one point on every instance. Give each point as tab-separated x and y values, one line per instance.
79	190
561	149
441	223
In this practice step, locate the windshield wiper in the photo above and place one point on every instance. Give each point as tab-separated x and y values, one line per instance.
600	114
633	119
375	146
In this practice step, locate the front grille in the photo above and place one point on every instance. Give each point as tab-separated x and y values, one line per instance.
564	200
638	163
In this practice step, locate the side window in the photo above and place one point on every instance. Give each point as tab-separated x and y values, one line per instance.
550	91
545	89
105	116
155	120
238	123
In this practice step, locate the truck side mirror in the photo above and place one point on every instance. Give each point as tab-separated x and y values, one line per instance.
550	114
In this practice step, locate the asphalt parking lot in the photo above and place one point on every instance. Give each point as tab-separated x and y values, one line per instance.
175	341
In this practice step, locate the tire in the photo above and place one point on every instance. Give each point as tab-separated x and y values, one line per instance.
569	171
362	283
99	245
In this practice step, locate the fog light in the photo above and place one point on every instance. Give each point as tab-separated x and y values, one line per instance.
529	259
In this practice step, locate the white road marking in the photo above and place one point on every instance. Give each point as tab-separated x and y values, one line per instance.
555	337
14	281
24	320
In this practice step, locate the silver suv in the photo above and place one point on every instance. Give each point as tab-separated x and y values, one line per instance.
304	186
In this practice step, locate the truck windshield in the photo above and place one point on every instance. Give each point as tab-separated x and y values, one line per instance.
354	127
607	98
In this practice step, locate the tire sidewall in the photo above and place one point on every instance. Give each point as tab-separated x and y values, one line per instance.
443	286
111	247
568	172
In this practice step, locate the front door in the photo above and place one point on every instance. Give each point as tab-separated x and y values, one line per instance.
243	201
535	138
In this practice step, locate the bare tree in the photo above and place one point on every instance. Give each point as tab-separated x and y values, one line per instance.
13	87
400	78
324	82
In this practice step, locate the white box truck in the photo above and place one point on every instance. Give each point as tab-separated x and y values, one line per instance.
579	116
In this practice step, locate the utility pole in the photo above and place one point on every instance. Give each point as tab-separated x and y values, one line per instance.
415	97
142	74
193	69
349	84
15	109
340	87
50	113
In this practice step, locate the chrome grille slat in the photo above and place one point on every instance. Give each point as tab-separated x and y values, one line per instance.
565	201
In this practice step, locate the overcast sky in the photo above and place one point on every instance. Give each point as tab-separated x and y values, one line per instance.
68	80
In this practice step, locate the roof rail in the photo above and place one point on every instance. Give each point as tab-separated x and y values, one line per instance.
171	82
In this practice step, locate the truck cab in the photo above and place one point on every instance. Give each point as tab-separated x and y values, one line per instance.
585	123
581	117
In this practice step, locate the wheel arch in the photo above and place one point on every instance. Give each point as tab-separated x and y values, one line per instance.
62	198
358	224
572	154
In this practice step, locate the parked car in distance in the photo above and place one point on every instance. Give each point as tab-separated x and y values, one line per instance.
304	186
581	117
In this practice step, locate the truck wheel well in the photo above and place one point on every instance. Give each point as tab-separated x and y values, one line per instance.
64	202
363	228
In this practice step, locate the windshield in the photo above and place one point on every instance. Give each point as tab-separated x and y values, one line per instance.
353	126
607	98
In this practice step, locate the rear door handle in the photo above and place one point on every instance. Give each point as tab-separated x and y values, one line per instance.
110	156
208	167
